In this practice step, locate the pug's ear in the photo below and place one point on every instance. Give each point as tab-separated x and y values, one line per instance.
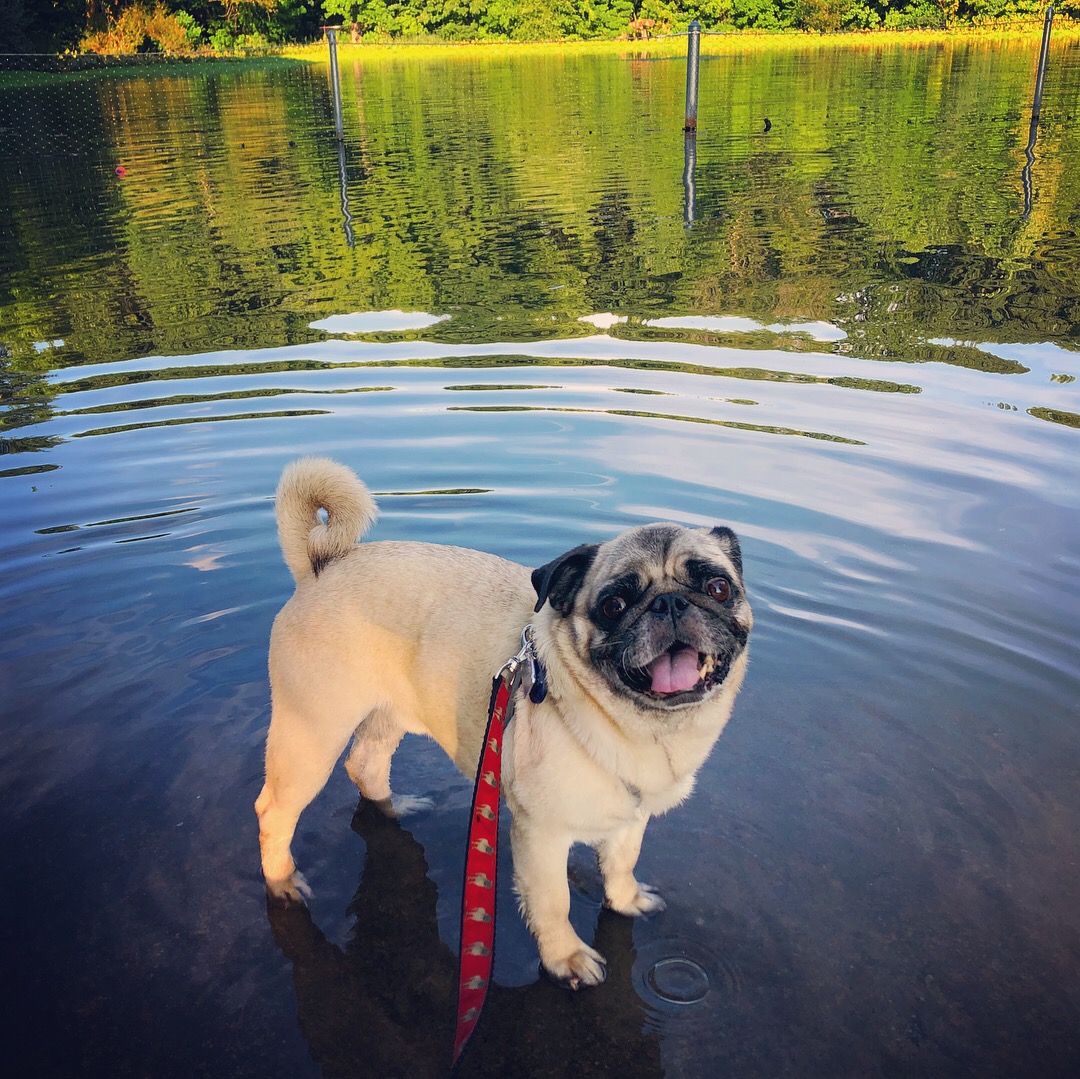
557	582
730	543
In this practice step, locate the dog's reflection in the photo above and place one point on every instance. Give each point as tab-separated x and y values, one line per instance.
385	1004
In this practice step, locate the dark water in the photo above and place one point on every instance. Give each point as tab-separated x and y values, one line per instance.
861	353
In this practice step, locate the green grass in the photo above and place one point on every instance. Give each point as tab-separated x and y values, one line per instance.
711	44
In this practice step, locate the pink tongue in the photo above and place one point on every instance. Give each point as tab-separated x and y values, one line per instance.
674	674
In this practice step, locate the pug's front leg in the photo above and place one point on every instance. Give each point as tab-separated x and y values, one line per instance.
544	895
618	853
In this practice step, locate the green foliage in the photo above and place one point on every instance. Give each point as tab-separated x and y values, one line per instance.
859	15
1002	10
222	38
766	14
194	31
345	10
918	14
39	25
827	16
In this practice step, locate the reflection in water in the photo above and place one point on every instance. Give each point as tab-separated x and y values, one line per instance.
603	321
1056	415
339	131
385	1002
115	521
819	331
343	178
763	428
177	399
177	421
689	164
377	322
1036	110
516	213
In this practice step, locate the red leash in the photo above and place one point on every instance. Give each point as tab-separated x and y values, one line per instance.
481	860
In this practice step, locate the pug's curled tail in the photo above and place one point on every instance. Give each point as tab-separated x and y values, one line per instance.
307	486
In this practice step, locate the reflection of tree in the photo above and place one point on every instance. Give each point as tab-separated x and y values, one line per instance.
738	425
385	1003
885	199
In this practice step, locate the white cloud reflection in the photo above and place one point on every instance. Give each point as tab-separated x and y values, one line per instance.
377	322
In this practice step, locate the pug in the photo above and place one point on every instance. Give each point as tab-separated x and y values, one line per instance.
644	642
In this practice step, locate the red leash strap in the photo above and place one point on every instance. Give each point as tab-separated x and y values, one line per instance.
481	859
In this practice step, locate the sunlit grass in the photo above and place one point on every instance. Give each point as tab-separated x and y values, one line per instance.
712	44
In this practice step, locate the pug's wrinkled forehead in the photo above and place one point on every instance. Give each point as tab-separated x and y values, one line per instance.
646	554
662	551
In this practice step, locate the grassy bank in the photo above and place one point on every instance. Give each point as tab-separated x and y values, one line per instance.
22	69
711	44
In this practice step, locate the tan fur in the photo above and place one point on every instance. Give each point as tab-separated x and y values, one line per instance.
385	638
307	486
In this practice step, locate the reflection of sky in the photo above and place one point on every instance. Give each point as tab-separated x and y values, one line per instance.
964	420
377	322
603	321
931	462
788	493
205	558
820	331
1043	358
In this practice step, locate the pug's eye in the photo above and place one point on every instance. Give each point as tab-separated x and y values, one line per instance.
613	606
719	588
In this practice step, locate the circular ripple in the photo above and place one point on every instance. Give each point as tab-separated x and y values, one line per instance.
678	981
672	974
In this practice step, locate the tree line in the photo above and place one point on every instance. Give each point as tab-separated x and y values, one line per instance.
184	26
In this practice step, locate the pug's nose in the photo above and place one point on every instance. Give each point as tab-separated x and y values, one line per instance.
669	604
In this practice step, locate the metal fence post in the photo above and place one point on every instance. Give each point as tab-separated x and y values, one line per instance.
335	85
1044	52
693	54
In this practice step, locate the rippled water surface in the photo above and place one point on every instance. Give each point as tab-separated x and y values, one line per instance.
529	314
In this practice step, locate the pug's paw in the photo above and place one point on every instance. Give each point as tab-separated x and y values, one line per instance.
293	890
647	900
584	967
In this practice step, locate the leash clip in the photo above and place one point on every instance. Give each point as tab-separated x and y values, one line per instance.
525	668
509	671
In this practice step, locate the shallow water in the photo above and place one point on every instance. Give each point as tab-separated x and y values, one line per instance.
852	338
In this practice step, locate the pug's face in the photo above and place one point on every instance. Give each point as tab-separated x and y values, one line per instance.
659	612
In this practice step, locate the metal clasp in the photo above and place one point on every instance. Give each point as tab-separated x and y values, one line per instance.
525	668
509	670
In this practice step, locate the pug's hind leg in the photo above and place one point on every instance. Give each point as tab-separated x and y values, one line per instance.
618	854
368	762
299	758
368	765
544	895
